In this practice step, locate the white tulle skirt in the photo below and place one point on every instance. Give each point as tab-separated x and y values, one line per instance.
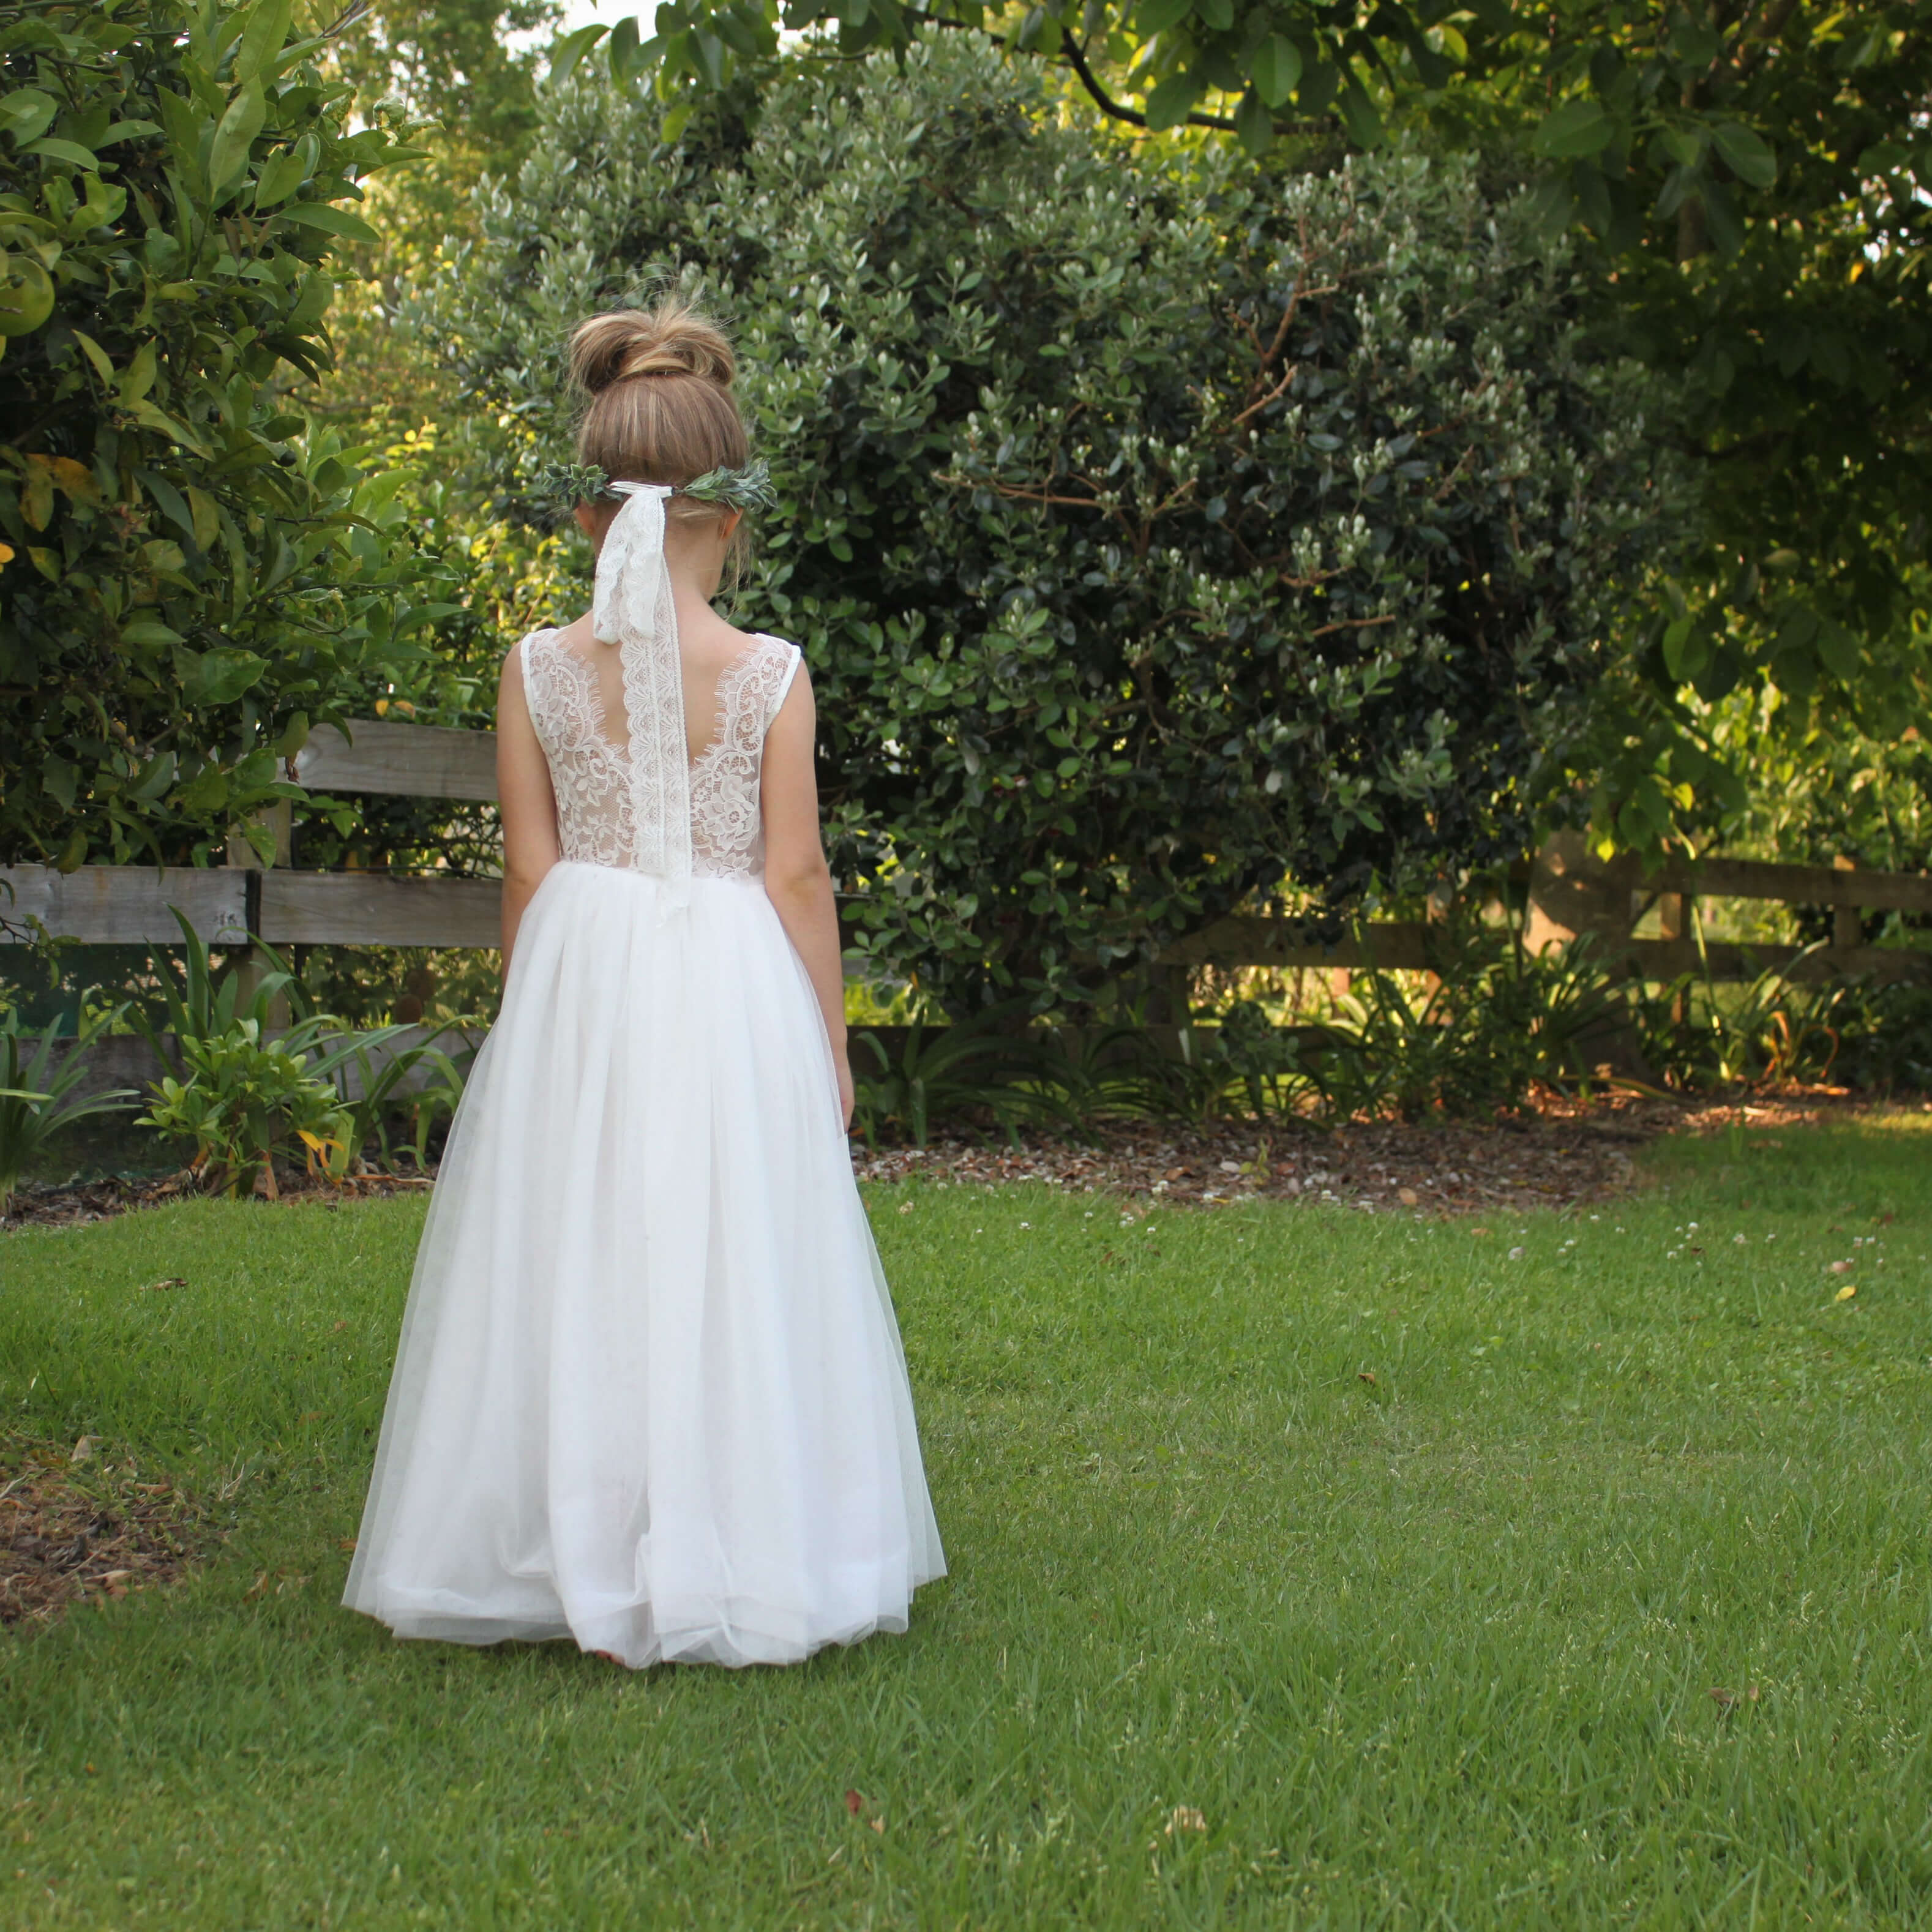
649	1394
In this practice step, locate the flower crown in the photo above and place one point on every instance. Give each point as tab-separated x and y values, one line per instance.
566	484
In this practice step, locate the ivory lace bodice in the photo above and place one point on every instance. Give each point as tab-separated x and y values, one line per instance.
594	759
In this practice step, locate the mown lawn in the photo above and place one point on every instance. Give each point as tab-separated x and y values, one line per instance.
1236	1636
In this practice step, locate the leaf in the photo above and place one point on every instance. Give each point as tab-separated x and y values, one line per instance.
145	412
569	52
172	504
26	113
1845	1294
1359	115
149	631
219	677
185	126
1687	648
1721	219
37	498
74	480
1684	146
1156	16
1254	125
1745	154
262	39
1277	68
330	220
234	137
206	517
1577	128
280	176
1171	102
138	378
58	150
96	356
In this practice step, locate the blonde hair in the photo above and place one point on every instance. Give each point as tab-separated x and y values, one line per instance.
659	404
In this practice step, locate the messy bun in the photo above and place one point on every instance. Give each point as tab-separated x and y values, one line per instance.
659	403
673	339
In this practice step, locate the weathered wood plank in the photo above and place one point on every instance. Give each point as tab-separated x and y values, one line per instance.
1794	885
1399	946
1747	879
373	909
404	760
124	905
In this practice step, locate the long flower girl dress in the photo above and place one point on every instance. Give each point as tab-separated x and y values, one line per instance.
650	1394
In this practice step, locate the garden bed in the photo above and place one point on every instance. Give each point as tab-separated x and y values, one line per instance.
1562	1156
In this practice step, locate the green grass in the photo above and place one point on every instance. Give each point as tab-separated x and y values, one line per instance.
1434	1649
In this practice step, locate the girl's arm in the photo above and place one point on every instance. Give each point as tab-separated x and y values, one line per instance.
797	880
524	797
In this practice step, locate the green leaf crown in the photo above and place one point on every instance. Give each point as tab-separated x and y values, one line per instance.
565	484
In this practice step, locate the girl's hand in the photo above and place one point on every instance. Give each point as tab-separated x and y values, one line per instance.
844	1067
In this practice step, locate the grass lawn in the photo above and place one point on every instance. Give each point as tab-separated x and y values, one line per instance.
1236	1636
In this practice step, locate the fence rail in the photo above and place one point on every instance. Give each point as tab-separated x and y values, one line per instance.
1571	891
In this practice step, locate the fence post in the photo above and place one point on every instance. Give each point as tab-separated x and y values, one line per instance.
1573	895
250	967
1848	923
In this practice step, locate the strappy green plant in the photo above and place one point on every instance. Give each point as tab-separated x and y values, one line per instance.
37	1100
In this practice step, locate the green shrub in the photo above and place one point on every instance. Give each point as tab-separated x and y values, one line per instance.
244	1099
1157	525
191	577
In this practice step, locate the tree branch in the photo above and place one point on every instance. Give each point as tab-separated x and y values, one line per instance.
1108	105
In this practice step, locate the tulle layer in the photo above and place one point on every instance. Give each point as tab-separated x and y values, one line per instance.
650	1394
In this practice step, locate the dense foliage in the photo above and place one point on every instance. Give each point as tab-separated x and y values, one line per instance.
1756	183
1157	529
1794	301
189	579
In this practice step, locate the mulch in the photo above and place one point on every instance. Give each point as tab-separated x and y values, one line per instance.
69	1203
80	1523
1564	1154
1561	1153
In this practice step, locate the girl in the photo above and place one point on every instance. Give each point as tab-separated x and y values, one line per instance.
650	1394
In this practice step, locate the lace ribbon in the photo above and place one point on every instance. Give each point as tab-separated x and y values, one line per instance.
633	609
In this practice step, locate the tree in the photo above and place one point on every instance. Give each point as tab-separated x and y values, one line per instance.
188	578
1157	530
1755	177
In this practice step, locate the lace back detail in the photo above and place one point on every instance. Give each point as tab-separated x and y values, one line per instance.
726	829
600	785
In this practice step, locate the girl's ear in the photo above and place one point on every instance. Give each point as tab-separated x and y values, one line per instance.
586	520
727	525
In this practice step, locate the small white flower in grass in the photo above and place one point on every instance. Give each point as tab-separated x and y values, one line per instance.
1740	1240
1692	1225
1026	1224
1516	1254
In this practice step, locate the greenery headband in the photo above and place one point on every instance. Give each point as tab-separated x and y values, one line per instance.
567	484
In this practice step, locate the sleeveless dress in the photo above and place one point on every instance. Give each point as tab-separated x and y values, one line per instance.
650	1394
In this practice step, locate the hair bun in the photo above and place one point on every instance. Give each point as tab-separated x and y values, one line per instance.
673	339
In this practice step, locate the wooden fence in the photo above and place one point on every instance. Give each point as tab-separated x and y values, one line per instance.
1571	892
